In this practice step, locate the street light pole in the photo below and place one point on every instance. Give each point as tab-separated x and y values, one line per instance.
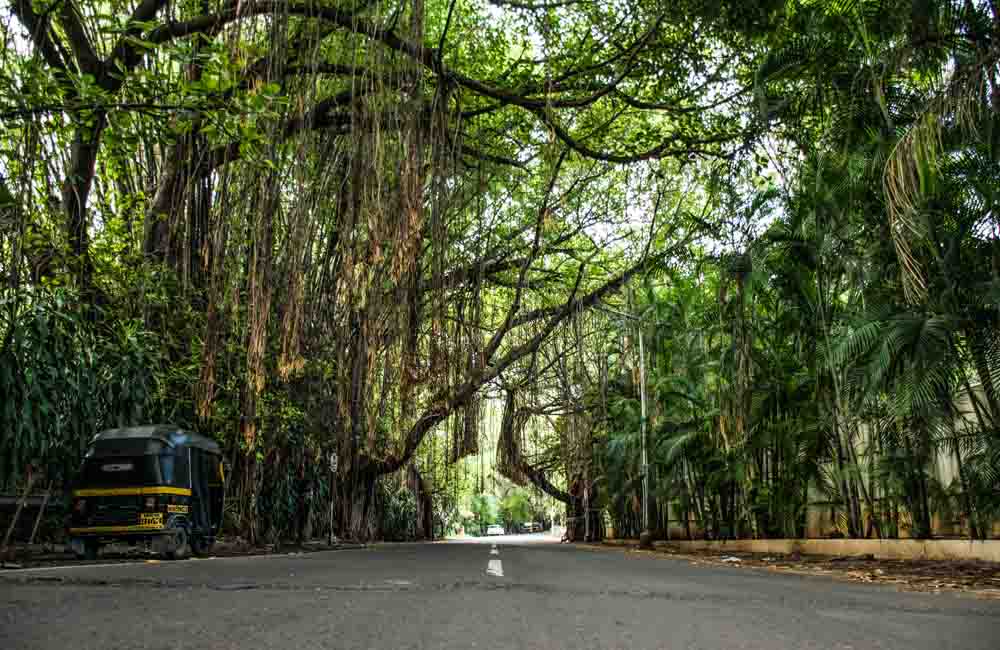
642	429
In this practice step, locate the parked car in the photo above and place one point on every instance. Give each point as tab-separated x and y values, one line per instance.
495	529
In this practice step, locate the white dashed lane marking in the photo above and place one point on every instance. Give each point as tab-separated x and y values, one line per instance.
495	568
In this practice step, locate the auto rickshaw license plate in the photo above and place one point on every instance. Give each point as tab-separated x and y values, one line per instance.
151	519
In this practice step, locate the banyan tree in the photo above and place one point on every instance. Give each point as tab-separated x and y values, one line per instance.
386	206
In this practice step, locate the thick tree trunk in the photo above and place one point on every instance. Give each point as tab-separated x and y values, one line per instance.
166	203
583	521
425	504
358	509
303	510
75	192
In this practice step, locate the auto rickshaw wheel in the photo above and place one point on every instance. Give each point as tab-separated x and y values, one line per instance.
181	546
201	545
90	549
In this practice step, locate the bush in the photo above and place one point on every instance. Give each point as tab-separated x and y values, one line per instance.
65	378
399	513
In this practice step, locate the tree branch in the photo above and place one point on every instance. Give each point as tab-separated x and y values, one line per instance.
445	403
673	108
428	57
490	157
126	51
79	43
535	6
659	151
540	481
591	299
515	306
38	30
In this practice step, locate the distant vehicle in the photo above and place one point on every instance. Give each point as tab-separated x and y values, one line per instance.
156	485
495	529
532	527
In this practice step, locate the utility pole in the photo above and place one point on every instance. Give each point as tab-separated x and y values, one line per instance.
642	430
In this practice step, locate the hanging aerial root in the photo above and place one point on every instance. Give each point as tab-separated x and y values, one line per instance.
509	459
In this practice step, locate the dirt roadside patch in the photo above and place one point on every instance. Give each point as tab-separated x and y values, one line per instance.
981	579
57	555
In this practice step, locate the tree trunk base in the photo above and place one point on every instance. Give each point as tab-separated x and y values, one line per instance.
357	507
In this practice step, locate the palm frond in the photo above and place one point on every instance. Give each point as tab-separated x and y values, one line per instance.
913	164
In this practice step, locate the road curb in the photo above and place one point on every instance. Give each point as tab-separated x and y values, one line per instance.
880	549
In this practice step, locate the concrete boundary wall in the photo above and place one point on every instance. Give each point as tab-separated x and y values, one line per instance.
884	549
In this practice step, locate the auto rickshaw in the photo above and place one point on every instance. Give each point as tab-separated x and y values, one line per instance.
159	486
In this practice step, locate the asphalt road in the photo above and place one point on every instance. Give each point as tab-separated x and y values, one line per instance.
528	594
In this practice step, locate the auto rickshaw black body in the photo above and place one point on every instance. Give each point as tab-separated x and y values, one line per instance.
159	485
